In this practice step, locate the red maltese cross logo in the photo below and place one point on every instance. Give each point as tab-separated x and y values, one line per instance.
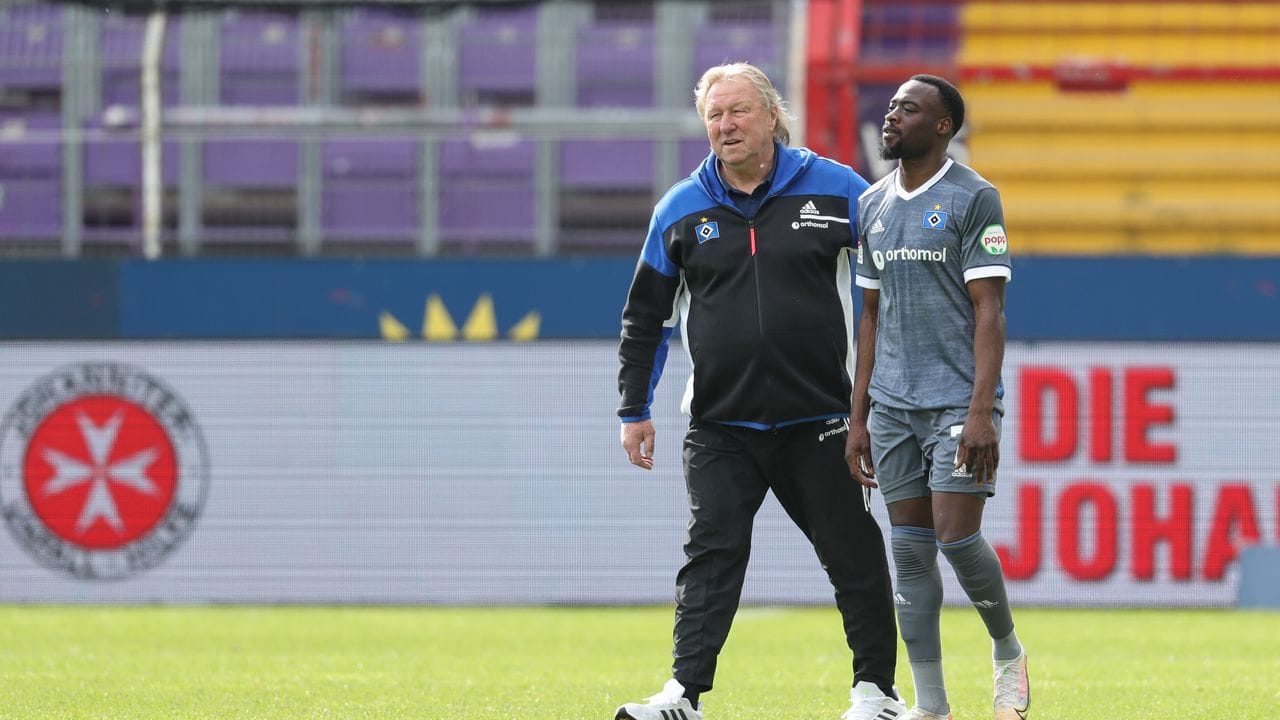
100	472
103	470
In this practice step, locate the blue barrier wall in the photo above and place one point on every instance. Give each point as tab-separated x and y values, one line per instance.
59	299
345	298
1201	298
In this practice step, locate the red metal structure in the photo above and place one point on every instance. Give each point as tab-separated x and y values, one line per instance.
831	93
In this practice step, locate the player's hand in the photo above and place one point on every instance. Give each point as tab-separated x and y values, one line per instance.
979	451
857	454
637	440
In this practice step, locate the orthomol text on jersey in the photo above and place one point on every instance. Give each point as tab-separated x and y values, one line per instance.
103	470
914	254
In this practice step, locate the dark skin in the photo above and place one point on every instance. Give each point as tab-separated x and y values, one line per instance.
918	130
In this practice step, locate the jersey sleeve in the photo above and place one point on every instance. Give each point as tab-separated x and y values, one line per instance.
857	186
983	242
866	275
648	320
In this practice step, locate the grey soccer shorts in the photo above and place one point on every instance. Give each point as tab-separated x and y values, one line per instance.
915	452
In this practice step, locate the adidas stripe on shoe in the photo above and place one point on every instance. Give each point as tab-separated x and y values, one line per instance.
669	704
868	702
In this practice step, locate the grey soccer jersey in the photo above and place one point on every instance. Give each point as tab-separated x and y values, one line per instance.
919	249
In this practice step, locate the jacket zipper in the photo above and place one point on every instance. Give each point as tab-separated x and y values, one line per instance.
768	376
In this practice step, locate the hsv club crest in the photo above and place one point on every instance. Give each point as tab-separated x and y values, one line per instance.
103	470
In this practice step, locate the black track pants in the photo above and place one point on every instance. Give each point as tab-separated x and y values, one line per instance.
727	471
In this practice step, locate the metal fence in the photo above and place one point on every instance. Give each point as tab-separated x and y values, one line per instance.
530	128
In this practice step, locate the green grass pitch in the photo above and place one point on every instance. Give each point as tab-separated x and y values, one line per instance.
580	663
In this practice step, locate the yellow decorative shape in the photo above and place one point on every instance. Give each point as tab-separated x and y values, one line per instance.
392	329
482	324
436	322
527	328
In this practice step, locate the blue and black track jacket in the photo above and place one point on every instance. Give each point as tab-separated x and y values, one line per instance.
766	301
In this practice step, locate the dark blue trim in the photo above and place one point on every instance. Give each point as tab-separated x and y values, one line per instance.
659	363
747	425
1077	299
303	299
54	299
788	423
654	252
1143	298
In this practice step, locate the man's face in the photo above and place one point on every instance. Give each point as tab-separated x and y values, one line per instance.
738	126
913	123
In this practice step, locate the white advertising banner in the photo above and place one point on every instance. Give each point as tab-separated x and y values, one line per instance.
491	473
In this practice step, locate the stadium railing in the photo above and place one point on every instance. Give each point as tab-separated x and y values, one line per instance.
435	128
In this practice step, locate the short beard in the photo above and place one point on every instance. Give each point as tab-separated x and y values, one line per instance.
901	151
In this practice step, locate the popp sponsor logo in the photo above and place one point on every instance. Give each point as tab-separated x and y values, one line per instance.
994	241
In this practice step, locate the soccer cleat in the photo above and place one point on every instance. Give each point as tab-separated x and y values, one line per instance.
919	713
1013	689
868	702
670	704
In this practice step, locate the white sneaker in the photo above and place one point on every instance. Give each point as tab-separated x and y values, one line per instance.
1013	689
919	713
869	702
670	704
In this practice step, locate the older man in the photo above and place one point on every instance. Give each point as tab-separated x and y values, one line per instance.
752	252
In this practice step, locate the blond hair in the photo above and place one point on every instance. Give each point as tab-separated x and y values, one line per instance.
755	76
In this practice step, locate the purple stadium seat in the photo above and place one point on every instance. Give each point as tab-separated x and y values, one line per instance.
615	65
260	59
113	181
117	160
487	192
726	42
497	55
495	212
30	176
122	37
488	157
251	183
370	189
250	190
31	46
606	194
909	32
607	164
692	153
380	58
251	163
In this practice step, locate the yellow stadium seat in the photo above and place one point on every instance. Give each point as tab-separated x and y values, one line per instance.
1162	163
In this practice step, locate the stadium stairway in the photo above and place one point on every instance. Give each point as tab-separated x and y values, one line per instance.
1128	128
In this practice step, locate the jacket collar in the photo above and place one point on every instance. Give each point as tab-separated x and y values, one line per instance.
789	163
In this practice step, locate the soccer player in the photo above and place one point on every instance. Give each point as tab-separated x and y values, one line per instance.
753	253
927	392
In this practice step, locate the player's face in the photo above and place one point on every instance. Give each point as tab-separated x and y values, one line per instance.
738	126
914	122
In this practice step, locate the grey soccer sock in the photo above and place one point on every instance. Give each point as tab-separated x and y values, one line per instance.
978	569
1004	649
918	597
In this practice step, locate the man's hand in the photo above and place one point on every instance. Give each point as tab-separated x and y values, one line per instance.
979	451
637	440
857	453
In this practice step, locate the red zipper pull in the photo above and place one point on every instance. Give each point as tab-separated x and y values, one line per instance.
753	241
